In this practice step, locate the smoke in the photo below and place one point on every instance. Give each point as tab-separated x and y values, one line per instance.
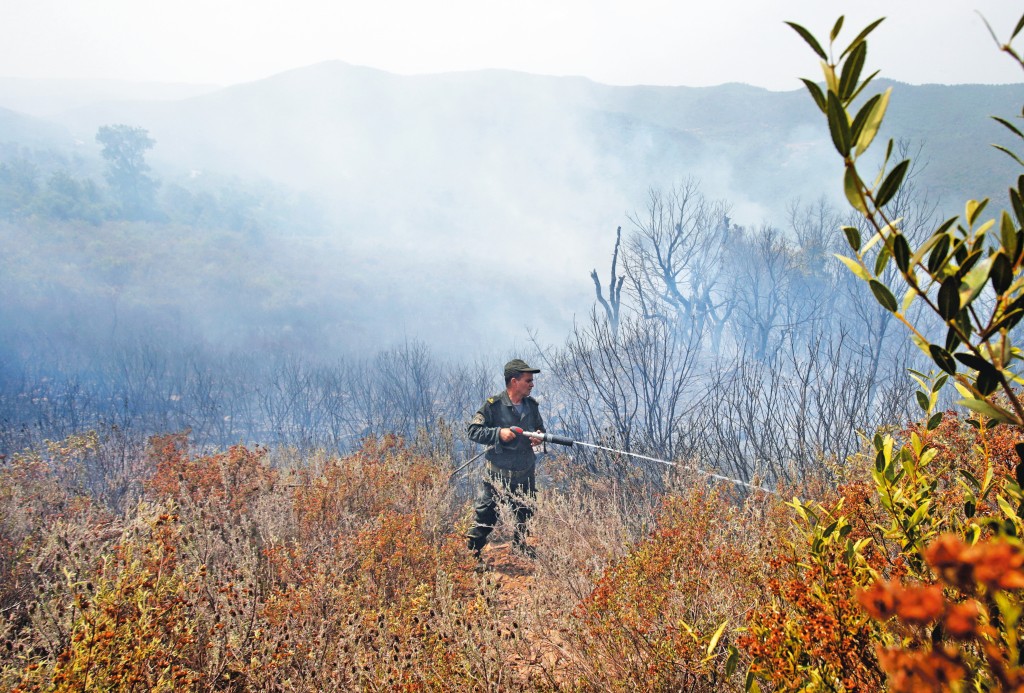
337	209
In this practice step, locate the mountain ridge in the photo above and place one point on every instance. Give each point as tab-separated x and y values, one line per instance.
427	178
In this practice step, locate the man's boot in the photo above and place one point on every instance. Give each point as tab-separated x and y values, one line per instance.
475	546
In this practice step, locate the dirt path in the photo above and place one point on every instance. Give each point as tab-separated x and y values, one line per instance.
516	578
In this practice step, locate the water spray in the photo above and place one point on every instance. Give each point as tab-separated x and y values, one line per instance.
569	442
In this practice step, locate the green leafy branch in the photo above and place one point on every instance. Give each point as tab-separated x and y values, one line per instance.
969	273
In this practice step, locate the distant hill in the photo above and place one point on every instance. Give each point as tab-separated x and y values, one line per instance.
348	129
23	130
447	190
49	97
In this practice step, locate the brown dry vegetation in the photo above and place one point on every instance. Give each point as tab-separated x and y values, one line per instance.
229	572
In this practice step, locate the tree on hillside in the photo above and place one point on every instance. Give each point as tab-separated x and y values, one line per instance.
673	261
19	184
66	197
124	148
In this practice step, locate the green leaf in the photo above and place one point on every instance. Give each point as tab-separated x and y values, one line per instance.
852	237
1002	272
949	298
732	661
942	358
923	249
963	322
798	507
892	183
934	421
975	280
1007	230
750	684
872	121
836	28
968	262
987	381
1010	154
1008	321
922	400
1018	211
882	260
939	255
850	75
1007	509
838	124
862	35
816	93
811	41
901	251
973	361
865	82
986	483
855	267
918	515
861	119
715	638
992	411
883	295
971	478
908	298
945	226
1010	126
852	189
973	209
875	238
953	340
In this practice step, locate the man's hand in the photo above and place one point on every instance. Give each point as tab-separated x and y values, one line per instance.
507	435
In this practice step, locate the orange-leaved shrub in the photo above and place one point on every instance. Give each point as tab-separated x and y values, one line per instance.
657	618
233	575
895	583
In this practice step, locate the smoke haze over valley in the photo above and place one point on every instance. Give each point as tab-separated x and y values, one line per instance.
467	209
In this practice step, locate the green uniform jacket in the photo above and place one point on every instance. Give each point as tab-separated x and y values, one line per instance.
496	413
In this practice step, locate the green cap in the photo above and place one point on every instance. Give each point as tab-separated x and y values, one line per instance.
518	366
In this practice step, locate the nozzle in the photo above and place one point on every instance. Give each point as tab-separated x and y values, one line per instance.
546	437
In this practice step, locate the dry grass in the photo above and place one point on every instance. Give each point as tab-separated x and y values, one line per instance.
226	571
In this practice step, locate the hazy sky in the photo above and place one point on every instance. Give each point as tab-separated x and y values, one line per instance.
666	42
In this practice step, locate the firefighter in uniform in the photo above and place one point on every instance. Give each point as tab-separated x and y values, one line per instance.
511	461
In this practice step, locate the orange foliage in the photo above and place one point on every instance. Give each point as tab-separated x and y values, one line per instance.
351	573
229	480
648	621
847	612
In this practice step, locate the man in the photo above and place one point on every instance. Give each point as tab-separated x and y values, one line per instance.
511	461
